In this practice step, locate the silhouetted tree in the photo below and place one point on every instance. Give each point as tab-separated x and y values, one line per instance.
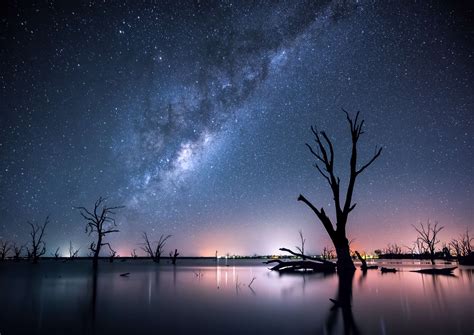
100	222
327	253
301	248
393	249
323	153
174	256
134	253
427	235
17	251
112	255
38	246
5	247
462	246
73	252
56	253
154	253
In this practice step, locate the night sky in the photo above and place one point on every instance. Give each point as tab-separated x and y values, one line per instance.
194	116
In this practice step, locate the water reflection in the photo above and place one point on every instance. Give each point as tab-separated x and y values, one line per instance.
343	303
57	298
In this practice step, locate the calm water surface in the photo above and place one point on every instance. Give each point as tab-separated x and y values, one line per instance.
198	297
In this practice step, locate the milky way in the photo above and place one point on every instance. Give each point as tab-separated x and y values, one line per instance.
194	116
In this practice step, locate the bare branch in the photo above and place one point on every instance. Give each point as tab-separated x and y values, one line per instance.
376	155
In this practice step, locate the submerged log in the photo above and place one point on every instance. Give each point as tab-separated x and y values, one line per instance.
385	270
444	271
307	264
301	266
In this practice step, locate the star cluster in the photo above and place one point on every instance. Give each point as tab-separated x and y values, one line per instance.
194	116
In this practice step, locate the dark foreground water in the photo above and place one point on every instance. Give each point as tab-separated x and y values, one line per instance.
198	297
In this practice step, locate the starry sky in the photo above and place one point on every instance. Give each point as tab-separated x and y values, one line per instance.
194	115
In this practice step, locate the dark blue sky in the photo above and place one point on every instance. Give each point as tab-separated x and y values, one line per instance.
194	116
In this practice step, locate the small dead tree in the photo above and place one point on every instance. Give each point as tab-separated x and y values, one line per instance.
112	256
427	235
327	253
419	247
323	153
411	250
5	247
133	254
154	253
393	249
73	252
463	245
100	222
56	253
38	246
301	248
174	256
17	249
457	247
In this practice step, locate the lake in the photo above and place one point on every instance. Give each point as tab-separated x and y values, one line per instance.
209	297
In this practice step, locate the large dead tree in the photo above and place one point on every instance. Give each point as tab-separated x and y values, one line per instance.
428	237
100	222
154	253
323	152
38	246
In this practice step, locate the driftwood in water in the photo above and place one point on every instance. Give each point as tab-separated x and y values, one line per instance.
126	274
444	271
385	270
300	266
307	264
364	266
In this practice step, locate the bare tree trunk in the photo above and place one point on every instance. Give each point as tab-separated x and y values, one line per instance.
344	259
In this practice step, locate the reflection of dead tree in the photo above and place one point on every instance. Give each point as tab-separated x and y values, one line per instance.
17	249
101	222
342	302
73	253
174	256
38	247
154	253
301	248
323	152
427	235
5	247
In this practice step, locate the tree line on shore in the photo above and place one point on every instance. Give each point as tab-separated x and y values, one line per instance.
100	222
